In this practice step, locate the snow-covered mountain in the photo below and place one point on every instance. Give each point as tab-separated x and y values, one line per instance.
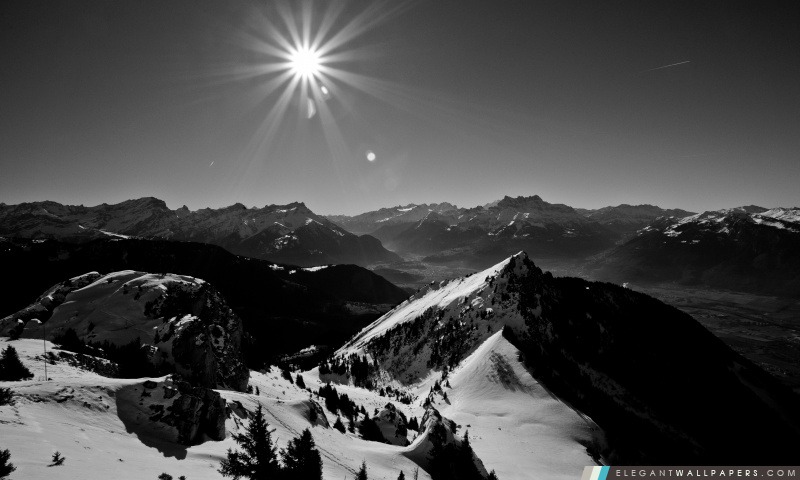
284	233
546	374
746	248
627	219
605	350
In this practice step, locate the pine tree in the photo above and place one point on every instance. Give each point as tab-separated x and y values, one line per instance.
300	382
11	368
465	463
362	472
492	476
57	460
402	476
257	460
165	476
369	430
301	459
6	467
338	425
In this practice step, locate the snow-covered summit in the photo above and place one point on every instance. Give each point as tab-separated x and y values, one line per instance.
471	292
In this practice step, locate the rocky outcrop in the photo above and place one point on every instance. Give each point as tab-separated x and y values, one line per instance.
393	425
173	411
182	322
196	412
201	337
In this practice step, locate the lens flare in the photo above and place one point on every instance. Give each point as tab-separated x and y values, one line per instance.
305	62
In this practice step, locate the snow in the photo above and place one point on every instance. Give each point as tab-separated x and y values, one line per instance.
516	425
101	425
316	269
80	414
449	294
113	303
115	235
780	218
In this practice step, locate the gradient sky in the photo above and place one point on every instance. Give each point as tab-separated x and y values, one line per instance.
460	101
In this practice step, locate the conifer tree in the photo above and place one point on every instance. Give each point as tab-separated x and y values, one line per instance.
362	472
465	463
6	467
257	459
57	460
402	476
301	459
11	368
338	425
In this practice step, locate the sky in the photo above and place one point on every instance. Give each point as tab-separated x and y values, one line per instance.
692	105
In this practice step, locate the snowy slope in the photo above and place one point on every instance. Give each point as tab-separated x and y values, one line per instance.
516	426
111	308
78	414
451	295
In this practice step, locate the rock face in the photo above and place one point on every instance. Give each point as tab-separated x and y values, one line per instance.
196	412
201	336
393	425
171	411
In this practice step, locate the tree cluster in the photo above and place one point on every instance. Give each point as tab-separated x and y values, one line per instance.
258	459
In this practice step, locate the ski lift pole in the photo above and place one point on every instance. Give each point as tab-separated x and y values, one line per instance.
44	345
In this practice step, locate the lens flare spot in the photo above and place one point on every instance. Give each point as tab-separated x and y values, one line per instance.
370	156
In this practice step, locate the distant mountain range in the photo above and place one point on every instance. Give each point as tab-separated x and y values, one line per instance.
282	233
750	248
478	236
747	248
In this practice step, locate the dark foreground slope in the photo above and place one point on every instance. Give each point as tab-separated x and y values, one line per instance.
664	389
284	308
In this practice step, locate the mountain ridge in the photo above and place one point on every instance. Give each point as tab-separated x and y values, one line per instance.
289	233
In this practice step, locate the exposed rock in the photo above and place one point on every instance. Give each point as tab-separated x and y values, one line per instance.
204	337
316	415
393	425
197	411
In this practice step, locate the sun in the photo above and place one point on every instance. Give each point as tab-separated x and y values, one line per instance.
305	62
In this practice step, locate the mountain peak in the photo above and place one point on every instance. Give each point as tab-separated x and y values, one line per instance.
144	202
